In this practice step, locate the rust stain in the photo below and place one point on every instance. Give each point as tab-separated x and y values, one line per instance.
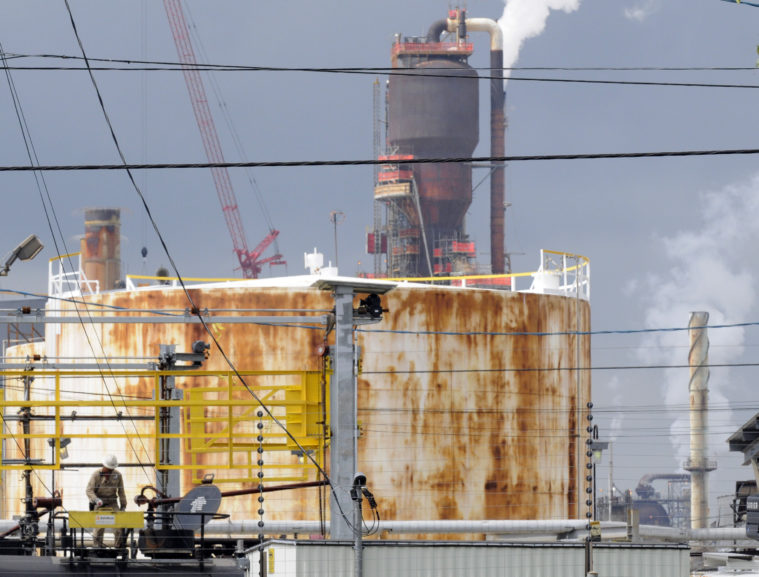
453	427
499	426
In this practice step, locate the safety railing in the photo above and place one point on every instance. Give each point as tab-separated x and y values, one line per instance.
62	282
560	273
133	281
220	419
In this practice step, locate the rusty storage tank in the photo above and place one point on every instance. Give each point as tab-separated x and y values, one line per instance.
464	409
101	246
433	112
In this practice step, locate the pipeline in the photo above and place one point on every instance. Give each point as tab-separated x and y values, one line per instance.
535	528
437	28
141	499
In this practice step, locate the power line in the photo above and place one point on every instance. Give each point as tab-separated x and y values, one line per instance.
194	307
77	308
372	162
553	369
201	68
373	69
558	333
170	66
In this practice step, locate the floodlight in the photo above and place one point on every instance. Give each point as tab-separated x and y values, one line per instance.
26	250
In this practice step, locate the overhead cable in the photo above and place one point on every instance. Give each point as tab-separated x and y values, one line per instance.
194	307
372	162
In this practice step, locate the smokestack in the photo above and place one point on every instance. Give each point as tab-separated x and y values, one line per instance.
497	149
497	137
101	246
698	464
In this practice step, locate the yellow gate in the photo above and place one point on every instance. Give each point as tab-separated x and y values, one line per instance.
225	421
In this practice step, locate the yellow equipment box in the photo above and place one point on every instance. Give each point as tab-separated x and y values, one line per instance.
105	519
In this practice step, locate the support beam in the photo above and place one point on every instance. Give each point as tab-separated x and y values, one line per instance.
342	417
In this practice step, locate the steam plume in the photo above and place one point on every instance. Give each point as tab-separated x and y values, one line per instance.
712	269
523	19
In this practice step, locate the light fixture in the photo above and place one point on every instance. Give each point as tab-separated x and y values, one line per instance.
26	250
598	447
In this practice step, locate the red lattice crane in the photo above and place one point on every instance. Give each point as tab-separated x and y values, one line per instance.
251	262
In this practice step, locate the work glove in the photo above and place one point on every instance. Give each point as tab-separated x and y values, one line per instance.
98	502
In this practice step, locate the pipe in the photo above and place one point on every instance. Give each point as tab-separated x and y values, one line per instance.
497	137
698	464
437	28
651	477
101	246
141	499
683	535
483	25
228	528
231	528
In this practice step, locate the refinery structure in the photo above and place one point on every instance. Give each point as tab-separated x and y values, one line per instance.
254	418
434	113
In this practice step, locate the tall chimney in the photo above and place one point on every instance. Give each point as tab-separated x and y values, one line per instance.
698	464
101	246
497	138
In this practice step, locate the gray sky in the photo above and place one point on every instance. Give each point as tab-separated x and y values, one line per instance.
665	236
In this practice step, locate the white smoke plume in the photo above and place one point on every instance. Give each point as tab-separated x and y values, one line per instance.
712	269
523	19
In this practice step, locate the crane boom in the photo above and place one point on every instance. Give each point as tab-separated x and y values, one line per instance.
250	261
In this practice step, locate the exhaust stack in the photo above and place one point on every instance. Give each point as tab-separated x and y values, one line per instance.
698	464
101	246
497	134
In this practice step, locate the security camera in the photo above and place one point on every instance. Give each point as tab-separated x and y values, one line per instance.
359	480
199	347
372	306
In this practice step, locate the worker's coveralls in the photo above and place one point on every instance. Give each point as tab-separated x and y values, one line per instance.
107	486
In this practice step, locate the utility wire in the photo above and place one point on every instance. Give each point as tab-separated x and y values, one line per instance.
553	369
131	61
41	184
121	155
372	162
201	68
389	71
183	313
195	309
558	333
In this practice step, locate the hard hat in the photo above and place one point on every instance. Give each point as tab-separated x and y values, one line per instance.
110	462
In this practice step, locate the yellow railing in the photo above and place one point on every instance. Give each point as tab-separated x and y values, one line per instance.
220	419
64	256
579	269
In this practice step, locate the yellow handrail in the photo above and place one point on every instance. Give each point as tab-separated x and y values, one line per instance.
219	419
579	258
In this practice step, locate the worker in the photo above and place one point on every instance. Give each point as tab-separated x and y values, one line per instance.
105	487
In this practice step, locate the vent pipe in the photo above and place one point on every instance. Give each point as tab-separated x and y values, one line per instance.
101	246
497	134
698	464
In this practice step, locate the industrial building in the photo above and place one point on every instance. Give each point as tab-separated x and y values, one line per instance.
449	404
475	399
433	113
466	406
